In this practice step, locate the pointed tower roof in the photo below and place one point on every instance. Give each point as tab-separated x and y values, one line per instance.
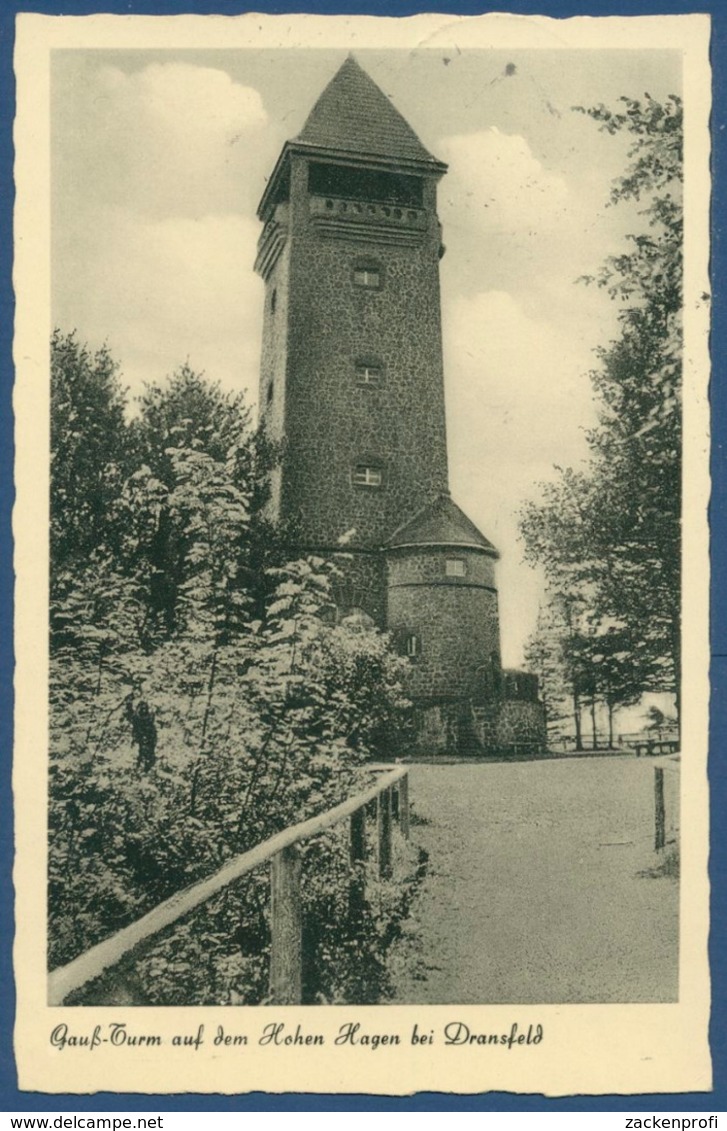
441	523
353	121
353	114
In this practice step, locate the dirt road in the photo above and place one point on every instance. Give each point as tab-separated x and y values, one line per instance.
538	887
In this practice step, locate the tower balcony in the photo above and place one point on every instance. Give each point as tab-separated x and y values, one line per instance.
396	215
367	221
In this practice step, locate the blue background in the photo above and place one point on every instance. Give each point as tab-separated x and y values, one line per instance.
10	1098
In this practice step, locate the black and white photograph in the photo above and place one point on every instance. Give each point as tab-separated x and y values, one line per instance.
374	463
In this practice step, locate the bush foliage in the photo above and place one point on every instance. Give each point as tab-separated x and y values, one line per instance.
201	696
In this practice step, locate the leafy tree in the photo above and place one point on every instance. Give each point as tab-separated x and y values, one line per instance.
647	280
190	413
638	443
90	452
255	731
610	533
617	675
551	655
582	664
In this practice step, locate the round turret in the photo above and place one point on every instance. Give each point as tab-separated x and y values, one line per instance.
442	605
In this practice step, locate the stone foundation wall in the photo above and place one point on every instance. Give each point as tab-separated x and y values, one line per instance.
442	728
521	724
505	728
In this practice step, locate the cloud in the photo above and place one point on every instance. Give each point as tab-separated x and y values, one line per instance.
518	378
515	227
170	137
164	290
185	99
153	219
518	397
496	184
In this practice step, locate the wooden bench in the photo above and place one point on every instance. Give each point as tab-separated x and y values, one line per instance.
649	746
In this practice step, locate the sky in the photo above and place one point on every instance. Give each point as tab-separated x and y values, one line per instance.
159	159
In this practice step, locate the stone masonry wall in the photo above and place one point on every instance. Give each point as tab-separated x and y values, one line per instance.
437	729
455	619
521	723
273	364
505	729
361	585
332	421
427	565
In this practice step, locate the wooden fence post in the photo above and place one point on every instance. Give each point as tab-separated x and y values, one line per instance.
286	950
659	809
281	852
357	884
403	791
385	833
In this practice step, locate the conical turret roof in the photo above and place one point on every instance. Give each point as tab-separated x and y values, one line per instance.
441	523
354	115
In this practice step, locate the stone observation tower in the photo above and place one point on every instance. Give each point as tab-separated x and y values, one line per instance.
352	381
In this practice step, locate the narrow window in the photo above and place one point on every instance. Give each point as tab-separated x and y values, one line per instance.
367	274
366	277
270	393
413	645
364	475
273	300
455	567
368	374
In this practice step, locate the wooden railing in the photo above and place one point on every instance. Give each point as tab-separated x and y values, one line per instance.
390	794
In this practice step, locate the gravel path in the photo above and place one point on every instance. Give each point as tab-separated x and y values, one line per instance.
536	889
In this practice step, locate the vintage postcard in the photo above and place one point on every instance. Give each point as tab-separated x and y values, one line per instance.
362	554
